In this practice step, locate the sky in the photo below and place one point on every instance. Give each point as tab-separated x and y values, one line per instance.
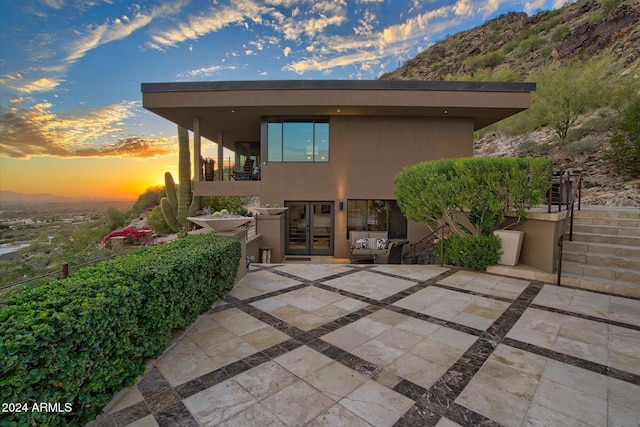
71	116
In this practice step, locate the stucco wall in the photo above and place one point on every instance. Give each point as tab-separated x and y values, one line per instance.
365	155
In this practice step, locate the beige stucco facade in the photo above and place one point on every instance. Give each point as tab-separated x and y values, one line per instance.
376	128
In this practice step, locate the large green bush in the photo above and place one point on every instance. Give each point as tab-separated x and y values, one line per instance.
79	340
482	189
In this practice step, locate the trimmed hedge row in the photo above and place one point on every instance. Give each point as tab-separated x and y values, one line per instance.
79	340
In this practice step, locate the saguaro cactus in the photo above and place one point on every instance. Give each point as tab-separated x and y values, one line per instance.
175	207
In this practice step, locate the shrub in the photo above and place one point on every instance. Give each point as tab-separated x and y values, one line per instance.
488	60
532	148
71	341
475	187
178	281
583	147
560	33
133	237
156	221
81	339
625	142
531	43
474	253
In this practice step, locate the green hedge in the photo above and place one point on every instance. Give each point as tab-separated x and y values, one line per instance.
472	252
79	340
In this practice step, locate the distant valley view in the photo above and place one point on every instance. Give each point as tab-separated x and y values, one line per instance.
40	232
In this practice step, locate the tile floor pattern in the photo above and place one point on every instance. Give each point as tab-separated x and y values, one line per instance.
405	345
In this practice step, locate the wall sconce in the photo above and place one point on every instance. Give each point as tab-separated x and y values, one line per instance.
341	205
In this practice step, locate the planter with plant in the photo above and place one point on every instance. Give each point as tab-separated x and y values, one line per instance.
219	220
268	209
472	197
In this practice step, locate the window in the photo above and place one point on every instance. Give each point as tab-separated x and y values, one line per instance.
298	140
376	215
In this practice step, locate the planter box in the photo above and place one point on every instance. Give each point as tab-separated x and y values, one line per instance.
511	246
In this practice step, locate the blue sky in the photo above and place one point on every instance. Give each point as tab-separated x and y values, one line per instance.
71	69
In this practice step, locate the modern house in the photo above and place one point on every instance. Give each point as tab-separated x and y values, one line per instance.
329	150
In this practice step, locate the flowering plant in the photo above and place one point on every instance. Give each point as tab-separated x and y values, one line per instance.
132	236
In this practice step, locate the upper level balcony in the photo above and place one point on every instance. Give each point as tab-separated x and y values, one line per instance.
228	179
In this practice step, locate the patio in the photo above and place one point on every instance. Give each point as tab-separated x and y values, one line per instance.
407	345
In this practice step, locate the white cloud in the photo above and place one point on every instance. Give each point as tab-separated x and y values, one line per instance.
463	8
201	25
557	4
491	7
41	85
532	6
206	71
286	51
38	131
54	4
325	64
118	30
366	48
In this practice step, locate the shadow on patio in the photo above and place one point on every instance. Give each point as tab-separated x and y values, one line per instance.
407	345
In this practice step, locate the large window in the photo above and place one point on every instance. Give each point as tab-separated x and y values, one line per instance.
298	140
376	215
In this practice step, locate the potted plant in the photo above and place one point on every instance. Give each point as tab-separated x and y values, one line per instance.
209	168
220	220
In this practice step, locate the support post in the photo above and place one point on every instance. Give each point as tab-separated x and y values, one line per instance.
197	151
220	155
65	270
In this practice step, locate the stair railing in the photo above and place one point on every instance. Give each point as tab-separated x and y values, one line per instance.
434	232
568	220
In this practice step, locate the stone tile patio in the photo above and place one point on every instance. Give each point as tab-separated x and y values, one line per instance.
362	345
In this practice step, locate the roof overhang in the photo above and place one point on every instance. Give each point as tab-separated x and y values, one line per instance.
237	106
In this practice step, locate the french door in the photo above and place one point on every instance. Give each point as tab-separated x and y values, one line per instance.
309	229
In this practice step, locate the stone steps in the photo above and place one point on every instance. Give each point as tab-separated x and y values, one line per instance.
605	252
609	249
624	240
605	260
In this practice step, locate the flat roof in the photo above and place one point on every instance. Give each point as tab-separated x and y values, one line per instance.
236	108
413	85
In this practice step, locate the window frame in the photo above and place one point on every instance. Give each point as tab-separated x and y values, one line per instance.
388	208
281	151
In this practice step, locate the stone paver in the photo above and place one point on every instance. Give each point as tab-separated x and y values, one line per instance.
405	345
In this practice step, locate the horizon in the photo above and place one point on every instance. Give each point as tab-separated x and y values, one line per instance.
71	119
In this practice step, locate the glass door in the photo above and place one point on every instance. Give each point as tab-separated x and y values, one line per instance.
309	229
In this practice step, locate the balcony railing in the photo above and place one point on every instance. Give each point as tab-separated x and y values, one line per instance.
230	172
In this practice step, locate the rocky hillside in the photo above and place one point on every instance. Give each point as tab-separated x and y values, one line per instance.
518	42
512	47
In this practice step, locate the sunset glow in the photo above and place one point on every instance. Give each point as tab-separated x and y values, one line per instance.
71	119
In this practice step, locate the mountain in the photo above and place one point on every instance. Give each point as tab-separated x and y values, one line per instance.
518	47
16	198
521	43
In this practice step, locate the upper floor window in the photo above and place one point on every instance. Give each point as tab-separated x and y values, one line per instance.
298	140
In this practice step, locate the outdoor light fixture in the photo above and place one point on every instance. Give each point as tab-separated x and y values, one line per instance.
341	204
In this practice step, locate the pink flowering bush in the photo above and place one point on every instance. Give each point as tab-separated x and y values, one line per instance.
133	237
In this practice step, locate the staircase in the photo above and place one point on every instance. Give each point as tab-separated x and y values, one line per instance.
605	252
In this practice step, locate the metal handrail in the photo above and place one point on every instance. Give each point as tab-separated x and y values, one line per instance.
63	273
413	245
569	220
